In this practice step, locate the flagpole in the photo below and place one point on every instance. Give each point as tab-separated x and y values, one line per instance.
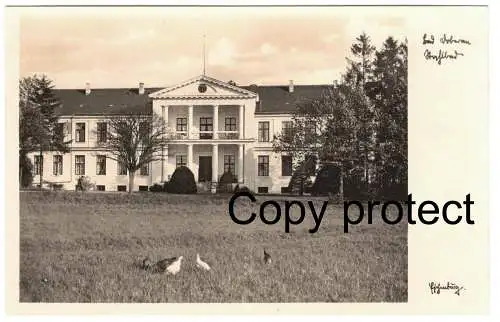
204	37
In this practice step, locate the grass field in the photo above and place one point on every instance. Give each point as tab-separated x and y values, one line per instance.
87	248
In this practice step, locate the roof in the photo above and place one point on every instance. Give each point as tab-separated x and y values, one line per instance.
103	101
278	99
113	101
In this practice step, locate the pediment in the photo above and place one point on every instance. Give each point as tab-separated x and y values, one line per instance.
203	87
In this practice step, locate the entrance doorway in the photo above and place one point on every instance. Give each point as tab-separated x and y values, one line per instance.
205	169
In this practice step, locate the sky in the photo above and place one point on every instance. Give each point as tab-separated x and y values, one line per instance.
120	47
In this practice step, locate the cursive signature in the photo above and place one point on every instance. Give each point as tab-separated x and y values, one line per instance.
437	287
441	54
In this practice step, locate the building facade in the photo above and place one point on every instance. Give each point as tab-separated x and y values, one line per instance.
217	127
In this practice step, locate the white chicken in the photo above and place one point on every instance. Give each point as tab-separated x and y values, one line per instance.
175	267
201	264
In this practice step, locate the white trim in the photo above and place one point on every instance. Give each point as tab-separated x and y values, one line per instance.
163	94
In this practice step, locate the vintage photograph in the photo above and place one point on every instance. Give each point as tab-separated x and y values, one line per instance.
207	154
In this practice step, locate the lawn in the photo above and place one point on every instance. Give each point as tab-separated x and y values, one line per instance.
79	247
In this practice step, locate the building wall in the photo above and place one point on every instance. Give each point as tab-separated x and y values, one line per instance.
69	178
274	182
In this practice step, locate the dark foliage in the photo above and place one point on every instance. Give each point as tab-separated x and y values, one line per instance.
225	183
182	182
239	188
26	171
327	181
157	188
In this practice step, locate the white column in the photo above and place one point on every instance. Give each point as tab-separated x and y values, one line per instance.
240	121
240	163
190	157
164	165
163	159
216	121
190	121
215	164
164	112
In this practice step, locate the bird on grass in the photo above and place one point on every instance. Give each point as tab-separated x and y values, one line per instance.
267	257
170	265
201	264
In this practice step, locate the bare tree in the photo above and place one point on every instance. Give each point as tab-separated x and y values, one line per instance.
134	140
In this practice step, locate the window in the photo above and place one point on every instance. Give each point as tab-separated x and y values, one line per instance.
263	131
38	165
101	165
285	190
102	132
80	165
100	187
143	188
181	124
144	132
122	169
230	124
262	189
263	165
180	161
144	170
80	132
122	188
286	165
58	165
286	129
206	125
229	163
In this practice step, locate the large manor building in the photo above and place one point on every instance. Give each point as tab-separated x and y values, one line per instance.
218	127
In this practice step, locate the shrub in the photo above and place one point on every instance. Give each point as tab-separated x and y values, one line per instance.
182	181
156	188
26	171
225	183
84	184
327	181
242	189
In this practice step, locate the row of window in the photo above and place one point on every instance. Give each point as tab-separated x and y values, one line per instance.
266	190
145	188
100	187
180	160
286	166
287	129
229	162
57	166
206	125
263	135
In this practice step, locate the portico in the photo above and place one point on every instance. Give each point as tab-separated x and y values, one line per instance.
206	123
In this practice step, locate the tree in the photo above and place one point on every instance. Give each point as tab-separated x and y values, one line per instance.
326	128
135	140
360	126
389	94
39	128
359	72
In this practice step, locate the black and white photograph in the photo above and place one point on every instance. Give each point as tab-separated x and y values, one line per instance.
213	155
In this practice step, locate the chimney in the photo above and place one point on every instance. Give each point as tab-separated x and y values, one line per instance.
290	86
87	88
141	88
